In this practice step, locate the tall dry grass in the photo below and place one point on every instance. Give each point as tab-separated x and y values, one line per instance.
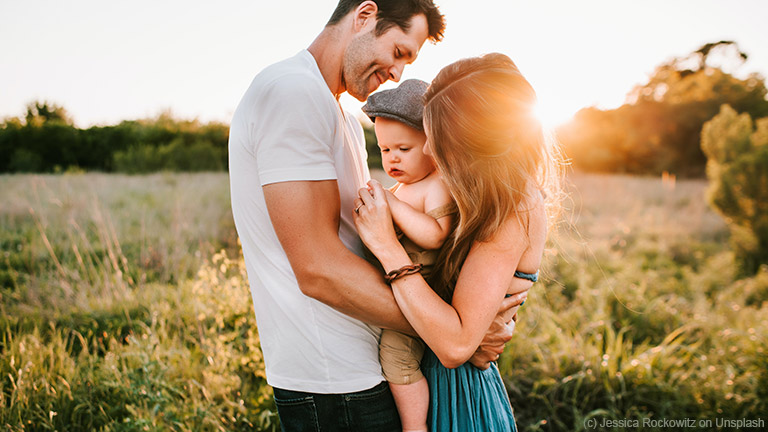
121	309
638	316
124	306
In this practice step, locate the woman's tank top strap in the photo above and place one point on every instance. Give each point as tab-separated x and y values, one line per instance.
533	277
443	210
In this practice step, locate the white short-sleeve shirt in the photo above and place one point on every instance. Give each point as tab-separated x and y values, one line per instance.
290	127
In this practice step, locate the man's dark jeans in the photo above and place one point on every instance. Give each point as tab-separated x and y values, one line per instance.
370	410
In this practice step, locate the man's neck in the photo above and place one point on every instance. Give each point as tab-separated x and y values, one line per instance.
328	51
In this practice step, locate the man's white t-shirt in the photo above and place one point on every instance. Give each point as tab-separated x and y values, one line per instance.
290	127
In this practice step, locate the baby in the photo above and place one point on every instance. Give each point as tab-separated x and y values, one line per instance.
422	210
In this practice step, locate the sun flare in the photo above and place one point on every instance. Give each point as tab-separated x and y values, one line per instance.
551	116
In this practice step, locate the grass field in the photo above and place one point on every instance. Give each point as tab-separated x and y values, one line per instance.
124	306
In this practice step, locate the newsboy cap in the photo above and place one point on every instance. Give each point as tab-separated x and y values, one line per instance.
403	103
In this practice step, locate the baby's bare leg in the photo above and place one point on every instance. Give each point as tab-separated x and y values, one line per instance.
412	402
400	357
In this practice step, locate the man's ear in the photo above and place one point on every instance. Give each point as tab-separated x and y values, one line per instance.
365	15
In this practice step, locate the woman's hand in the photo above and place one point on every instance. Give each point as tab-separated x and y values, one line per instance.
374	220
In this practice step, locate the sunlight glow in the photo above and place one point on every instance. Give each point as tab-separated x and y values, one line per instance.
550	116
124	75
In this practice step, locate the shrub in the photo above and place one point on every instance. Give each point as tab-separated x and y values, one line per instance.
24	160
138	159
199	156
737	168
175	156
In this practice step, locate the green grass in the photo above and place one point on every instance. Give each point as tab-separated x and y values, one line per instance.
122	309
124	306
638	315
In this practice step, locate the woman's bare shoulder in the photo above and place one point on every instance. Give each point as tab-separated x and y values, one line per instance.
525	228
436	193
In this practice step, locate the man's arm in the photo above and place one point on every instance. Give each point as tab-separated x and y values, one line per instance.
305	215
499	333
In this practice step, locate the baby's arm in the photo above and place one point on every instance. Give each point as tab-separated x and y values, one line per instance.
420	228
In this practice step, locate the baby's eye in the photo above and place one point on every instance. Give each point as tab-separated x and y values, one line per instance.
404	149
384	150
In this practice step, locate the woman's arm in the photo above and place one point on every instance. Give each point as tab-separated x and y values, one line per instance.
452	331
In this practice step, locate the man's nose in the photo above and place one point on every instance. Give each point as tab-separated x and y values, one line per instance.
395	72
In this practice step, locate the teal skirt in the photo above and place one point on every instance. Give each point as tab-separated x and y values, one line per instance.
466	399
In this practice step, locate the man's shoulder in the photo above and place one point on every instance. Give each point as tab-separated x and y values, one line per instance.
293	76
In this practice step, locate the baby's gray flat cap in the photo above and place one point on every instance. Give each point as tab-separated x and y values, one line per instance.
403	103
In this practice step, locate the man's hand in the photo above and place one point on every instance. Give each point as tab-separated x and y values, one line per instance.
500	332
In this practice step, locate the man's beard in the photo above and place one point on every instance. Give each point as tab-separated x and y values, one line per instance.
357	79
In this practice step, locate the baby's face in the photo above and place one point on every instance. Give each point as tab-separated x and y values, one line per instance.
402	151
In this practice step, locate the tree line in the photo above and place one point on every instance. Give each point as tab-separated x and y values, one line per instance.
658	129
46	140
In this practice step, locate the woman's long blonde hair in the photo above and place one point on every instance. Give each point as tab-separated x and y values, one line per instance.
491	151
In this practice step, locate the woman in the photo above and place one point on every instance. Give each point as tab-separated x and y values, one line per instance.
500	170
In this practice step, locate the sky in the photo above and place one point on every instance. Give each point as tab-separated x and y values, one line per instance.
108	61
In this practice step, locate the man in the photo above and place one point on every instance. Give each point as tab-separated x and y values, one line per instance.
296	162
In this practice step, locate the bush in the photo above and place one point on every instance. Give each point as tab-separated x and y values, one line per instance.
141	158
46	140
176	156
25	161
199	156
737	168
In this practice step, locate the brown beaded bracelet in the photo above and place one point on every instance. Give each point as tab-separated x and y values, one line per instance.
402	271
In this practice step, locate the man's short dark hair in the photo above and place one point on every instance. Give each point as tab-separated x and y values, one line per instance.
399	13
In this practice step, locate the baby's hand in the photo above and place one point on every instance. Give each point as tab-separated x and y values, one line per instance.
390	197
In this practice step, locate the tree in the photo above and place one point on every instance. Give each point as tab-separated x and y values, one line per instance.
9	139
659	128
39	113
737	168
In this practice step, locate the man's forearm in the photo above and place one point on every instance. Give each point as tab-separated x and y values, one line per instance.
306	218
355	288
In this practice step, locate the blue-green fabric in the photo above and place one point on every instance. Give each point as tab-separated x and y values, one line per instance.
466	399
533	277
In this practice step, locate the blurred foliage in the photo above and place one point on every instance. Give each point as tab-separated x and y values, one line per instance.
659	128
46	140
372	146
175	156
737	168
39	113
